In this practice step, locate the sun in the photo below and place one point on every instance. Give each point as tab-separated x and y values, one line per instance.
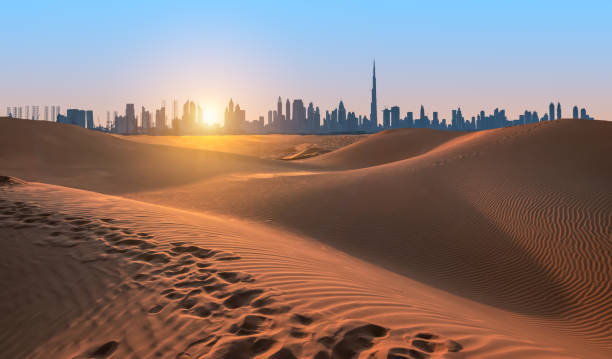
210	115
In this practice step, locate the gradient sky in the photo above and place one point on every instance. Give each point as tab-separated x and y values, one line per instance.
478	54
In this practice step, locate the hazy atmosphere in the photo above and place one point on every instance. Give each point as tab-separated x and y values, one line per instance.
306	180
478	55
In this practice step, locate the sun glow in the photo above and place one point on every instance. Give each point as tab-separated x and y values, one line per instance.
210	115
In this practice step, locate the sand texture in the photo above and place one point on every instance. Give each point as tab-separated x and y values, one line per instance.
404	244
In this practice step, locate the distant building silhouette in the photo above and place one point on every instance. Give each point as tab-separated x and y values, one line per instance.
188	122
386	118
89	119
145	120
395	117
435	123
130	119
551	111
373	105
234	118
299	116
279	114
584	115
575	113
341	115
73	117
160	119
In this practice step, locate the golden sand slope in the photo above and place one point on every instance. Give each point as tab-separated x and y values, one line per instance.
518	219
385	147
92	276
261	146
73	156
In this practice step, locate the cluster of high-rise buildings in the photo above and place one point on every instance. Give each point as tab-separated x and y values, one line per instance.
32	112
292	118
83	118
341	120
190	123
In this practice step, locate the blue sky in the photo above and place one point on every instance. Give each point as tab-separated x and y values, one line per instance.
477	54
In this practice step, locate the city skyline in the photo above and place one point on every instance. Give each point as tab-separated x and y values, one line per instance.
295	119
252	117
516	57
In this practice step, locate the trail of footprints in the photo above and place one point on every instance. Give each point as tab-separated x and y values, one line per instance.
195	287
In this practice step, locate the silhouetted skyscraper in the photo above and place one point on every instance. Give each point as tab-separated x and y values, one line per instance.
288	111
145	120
188	122
583	114
234	118
559	111
279	111
386	118
341	116
373	106
551	111
334	120
229	111
130	118
160	118
299	114
75	117
239	118
89	119
575	112
395	116
310	117
174	110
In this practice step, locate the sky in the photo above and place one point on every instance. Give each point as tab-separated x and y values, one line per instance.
514	55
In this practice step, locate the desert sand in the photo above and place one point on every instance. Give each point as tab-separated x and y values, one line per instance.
404	244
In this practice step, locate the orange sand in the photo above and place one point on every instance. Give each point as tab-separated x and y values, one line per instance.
405	244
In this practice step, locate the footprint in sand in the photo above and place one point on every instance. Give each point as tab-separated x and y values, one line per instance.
424	345
103	351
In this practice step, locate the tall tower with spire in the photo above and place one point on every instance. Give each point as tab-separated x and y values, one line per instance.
373	106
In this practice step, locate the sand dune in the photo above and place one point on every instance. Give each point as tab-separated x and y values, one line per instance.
110	277
72	156
384	147
517	218
499	241
261	146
